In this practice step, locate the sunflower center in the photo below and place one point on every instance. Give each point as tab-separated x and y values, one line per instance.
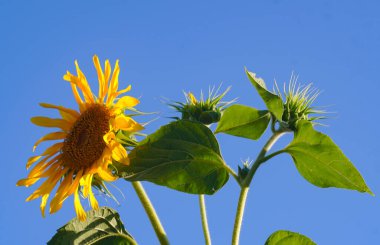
84	144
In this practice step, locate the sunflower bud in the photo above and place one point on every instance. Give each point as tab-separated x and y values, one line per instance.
244	170
204	111
298	103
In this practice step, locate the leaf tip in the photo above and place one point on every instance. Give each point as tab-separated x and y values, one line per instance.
370	192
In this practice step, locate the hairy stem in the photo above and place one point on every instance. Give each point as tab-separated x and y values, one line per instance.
151	212
247	181
239	215
275	136
206	231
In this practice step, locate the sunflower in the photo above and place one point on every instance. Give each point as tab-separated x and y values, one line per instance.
87	145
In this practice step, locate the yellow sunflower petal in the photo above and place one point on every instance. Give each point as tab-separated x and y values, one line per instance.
38	171
47	186
107	74
50	136
43	204
126	101
108	137
101	79
53	149
123	90
114	84
83	85
93	201
78	99
32	160
51	122
60	195
105	175
119	154
78	207
66	113
85	182
126	123
69	190
87	191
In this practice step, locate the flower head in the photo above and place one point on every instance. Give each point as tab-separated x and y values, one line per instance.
205	111
87	145
298	103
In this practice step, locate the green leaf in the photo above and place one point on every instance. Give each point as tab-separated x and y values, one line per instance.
283	237
243	121
102	226
320	161
272	101
182	155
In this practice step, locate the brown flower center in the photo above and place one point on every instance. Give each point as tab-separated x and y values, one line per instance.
84	144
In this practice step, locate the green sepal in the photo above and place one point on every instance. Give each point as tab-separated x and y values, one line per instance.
183	155
283	237
102	226
272	101
243	121
320	161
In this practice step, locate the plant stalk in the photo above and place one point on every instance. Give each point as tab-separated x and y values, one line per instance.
151	212
239	215
206	231
247	181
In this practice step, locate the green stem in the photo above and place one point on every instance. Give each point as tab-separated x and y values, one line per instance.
247	181
266	158
206	231
275	136
232	172
151	212
239	215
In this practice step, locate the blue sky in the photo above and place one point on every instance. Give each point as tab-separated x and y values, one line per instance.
166	47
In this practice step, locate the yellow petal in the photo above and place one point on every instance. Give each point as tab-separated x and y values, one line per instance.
193	100
108	137
86	184
123	90
114	84
93	201
105	175
101	80
87	191
77	97
47	186
119	154
126	101
78	207
126	123
50	136
39	171
51	122
81	82
29	163
107	75
66	113
75	184
43	204
32	160
60	195
53	149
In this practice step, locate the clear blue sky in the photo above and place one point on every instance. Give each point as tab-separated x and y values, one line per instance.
165	47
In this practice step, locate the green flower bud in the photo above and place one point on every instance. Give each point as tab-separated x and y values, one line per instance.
206	111
298	103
